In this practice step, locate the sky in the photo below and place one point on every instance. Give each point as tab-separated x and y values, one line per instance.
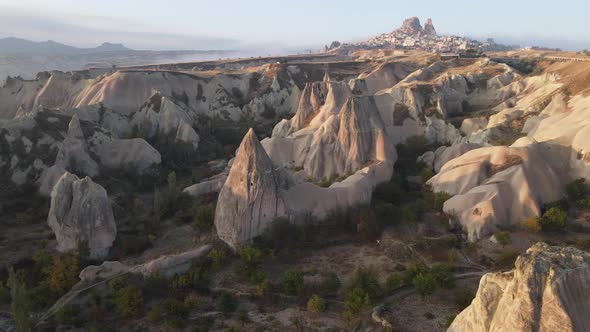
233	24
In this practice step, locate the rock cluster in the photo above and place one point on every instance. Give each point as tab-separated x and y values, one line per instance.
81	216
411	26
497	186
547	291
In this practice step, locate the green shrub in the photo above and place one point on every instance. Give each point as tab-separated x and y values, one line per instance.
282	235
172	186
226	304
507	259
329	285
154	314
204	218
129	301
356	300
412	271
585	202
20	308
316	304
242	315
425	284
449	320
4	293
502	237
62	273
408	213
452	256
69	315
439	200
218	256
425	174
250	261
262	287
292	282
576	190
394	281
553	219
532	225
390	192
462	298
23	218
442	275
117	283
365	280
174	307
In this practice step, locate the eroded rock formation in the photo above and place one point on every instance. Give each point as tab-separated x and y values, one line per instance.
547	291
81	216
497	186
250	199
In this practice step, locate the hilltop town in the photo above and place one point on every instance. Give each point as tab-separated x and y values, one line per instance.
412	36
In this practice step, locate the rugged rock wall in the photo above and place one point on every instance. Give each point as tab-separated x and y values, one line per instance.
81	215
547	291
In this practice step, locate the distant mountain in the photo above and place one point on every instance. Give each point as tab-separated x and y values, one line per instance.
13	45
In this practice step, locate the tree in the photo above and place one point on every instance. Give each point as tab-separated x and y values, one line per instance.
217	256
394	281
425	284
356	300
576	190
4	293
292	282
155	313
439	200
129	301
316	304
62	272
204	218
425	174
21	303
157	211
251	257
172	186
502	238
533	224
366	280
329	285
553	219
226	304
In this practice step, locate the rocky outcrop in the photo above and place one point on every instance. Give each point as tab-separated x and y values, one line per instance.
163	119
250	199
497	186
135	155
165	266
73	154
547	291
411	26
81	215
429	29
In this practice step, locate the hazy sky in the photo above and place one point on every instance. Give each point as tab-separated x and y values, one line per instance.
200	24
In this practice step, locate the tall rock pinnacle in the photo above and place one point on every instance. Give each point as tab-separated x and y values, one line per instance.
250	199
429	29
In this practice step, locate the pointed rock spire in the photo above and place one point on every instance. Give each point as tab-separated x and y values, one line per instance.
74	128
250	199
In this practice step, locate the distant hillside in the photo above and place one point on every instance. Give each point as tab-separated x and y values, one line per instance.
13	45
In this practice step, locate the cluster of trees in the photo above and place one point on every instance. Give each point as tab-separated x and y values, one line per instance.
554	216
36	288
